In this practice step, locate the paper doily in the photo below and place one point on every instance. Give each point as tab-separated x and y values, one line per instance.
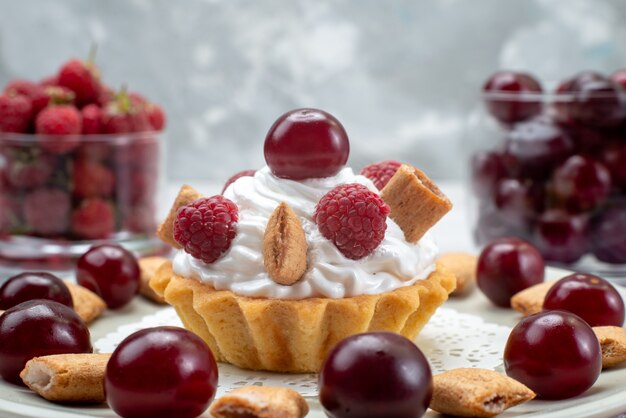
450	340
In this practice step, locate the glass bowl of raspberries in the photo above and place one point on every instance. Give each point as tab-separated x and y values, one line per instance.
79	163
554	168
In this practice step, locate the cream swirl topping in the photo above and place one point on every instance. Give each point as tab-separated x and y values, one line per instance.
394	264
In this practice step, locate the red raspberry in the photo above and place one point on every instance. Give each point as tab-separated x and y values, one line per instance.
205	228
140	219
83	79
15	113
9	213
380	173
93	219
237	176
91	119
106	95
35	92
47	211
353	218
92	179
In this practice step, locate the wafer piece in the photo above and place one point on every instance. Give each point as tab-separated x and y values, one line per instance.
476	393
148	267
530	301
416	202
165	231
67	377
260	402
284	246
87	304
463	266
613	344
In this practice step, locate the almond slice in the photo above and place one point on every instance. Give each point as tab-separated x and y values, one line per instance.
165	231
530	300
416	202
284	246
67	377
148	267
87	304
463	266
613	344
476	393
260	402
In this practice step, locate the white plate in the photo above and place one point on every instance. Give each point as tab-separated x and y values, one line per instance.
605	399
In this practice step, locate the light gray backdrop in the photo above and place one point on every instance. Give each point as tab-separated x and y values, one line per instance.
401	75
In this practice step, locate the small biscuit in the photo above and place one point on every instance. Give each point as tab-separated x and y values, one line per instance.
463	266
165	231
530	301
67	377
476	393
148	267
260	402
87	304
416	202
613	344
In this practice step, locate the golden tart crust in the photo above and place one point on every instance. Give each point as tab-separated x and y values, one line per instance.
295	335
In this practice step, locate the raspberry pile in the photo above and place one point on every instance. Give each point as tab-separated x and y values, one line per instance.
353	218
89	165
206	227
380	173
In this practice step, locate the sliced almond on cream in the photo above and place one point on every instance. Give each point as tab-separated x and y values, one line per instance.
613	344
476	393
165	231
416	202
284	246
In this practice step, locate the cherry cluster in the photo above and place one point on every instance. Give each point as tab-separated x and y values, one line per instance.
558	178
78	160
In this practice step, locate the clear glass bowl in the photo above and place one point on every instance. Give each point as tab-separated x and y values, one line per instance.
60	195
554	174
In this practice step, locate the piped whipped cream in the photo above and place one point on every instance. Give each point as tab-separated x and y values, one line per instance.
395	263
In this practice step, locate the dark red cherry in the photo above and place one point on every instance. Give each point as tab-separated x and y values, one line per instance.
512	96
38	328
519	201
561	236
306	143
554	353
487	169
111	271
507	266
375	375
620	77
608	236
532	149
581	183
593	100
592	298
161	372
34	285
614	159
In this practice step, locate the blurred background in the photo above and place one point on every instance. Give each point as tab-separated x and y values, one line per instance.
403	76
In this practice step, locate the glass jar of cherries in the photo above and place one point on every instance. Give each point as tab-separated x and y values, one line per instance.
554	171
